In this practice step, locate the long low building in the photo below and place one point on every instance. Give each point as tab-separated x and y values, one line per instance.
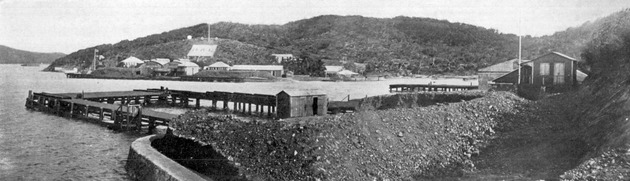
275	70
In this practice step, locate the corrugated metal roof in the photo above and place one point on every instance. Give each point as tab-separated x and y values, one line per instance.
580	76
257	67
347	72
132	60
333	69
202	51
219	64
303	92
161	61
187	64
565	56
506	66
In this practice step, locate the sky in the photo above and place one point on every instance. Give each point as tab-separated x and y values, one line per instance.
69	25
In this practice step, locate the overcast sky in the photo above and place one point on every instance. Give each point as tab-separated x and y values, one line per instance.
68	25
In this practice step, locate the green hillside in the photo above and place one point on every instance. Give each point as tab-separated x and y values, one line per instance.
400	45
10	55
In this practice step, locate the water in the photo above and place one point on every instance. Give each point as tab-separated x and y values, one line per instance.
38	146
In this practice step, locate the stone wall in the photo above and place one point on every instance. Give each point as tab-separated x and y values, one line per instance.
146	163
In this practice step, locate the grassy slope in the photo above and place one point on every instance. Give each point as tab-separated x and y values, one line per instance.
11	55
428	45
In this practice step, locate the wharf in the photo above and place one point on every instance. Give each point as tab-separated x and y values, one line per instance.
123	107
429	87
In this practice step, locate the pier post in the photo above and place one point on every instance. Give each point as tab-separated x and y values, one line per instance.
151	125
257	110
249	109
235	106
87	110
71	109
101	115
225	104
147	100
269	110
197	104
173	100
57	107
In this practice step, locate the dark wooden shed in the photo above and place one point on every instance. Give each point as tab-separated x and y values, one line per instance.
299	103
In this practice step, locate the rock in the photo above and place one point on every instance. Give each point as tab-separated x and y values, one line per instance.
400	134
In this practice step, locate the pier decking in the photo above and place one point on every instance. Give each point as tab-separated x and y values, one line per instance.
123	115
125	107
429	87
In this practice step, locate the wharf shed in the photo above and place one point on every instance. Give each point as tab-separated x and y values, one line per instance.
300	103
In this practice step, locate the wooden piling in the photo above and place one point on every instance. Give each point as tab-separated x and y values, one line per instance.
101	115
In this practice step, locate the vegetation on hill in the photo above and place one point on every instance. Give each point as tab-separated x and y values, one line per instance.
11	55
399	46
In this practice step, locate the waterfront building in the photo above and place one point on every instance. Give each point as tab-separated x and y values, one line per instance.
275	70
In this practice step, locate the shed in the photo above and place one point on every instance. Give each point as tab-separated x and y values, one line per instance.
347	73
275	70
332	69
487	74
131	62
218	66
554	69
187	68
282	57
299	103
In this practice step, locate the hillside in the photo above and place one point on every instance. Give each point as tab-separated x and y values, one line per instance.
400	45
10	55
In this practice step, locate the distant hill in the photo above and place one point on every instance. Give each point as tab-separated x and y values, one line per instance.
10	55
400	45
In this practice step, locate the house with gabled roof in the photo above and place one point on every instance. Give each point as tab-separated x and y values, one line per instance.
554	71
217	66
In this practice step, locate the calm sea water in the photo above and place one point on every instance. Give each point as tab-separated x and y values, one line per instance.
39	146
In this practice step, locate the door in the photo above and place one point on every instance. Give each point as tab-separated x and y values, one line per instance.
315	106
558	76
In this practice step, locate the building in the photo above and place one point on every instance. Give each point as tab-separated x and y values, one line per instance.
347	73
218	66
299	103
332	70
130	62
275	70
282	57
555	72
155	67
201	52
487	74
182	67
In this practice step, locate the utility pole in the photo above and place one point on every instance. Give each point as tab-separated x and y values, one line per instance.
519	60
93	67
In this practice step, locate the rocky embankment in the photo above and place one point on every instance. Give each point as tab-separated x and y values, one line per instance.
394	144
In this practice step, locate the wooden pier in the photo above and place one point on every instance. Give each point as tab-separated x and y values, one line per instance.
123	108
429	87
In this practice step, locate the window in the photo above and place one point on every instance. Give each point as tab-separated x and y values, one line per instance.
558	77
544	68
